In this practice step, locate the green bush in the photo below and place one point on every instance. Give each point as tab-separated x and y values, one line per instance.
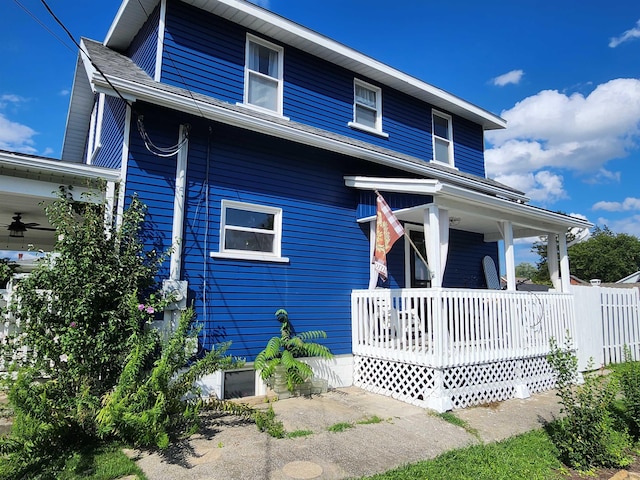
628	374
589	434
84	317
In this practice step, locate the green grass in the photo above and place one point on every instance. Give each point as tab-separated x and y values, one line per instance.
530	456
101	463
458	422
340	427
299	433
370	420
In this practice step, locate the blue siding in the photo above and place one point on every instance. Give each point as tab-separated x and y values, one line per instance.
464	262
144	45
328	250
367	204
468	144
205	54
112	135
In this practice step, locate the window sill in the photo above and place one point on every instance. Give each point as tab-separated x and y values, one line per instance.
249	256
262	110
444	164
364	128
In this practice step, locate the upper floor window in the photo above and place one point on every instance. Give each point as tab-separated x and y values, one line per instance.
442	138
263	75
367	107
250	230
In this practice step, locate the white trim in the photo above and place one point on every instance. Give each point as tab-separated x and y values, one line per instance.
450	158
274	255
131	16
157	74
364	128
456	197
377	129
256	108
279	79
51	166
184	103
249	256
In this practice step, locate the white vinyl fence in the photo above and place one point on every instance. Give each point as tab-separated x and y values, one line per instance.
608	320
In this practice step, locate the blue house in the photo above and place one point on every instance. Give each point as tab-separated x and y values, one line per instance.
258	146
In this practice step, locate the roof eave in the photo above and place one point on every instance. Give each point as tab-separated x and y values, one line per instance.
132	14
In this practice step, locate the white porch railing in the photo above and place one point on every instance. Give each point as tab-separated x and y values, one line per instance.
443	328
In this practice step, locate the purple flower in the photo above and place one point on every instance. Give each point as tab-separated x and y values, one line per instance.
73	324
141	307
150	309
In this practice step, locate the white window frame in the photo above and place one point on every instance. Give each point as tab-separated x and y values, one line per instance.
449	141
377	129
94	141
247	72
273	256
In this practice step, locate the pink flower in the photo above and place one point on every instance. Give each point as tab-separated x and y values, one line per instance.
73	324
149	309
141	307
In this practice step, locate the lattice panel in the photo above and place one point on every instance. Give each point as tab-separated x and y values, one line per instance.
465	386
404	381
537	374
477	384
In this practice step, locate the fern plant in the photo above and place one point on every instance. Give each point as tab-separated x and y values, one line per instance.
283	351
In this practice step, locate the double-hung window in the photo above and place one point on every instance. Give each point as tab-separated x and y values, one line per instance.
367	107
250	231
442	138
263	75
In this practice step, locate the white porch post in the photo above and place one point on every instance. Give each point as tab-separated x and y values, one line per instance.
432	241
510	263
552	260
565	274
373	275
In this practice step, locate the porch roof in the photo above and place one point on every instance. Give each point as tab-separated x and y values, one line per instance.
28	180
470	210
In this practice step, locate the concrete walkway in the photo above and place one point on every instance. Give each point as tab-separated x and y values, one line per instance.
229	448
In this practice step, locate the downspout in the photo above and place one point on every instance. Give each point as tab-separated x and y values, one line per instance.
178	206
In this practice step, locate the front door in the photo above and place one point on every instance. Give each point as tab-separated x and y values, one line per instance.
419	272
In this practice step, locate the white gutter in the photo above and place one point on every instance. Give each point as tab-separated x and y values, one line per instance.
453	196
22	162
188	104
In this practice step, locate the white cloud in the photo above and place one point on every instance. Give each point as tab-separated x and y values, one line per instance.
552	131
629	225
65	92
626	36
629	203
9	98
514	77
15	136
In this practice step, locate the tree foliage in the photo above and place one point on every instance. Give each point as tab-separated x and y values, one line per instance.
604	255
84	318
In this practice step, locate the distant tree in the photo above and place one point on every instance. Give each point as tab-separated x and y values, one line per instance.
526	270
605	255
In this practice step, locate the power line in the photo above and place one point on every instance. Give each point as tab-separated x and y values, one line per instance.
53	34
59	22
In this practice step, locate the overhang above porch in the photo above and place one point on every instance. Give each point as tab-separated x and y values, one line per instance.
470	210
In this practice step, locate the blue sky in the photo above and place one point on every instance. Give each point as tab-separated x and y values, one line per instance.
564	74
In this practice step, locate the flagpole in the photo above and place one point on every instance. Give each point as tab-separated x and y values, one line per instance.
411	242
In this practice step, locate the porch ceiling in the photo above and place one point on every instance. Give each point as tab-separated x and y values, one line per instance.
27	184
470	210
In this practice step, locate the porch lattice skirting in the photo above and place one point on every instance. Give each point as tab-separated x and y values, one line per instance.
453	387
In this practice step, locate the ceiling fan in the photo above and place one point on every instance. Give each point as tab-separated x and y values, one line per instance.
18	227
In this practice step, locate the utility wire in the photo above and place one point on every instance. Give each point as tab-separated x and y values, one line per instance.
59	22
53	34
